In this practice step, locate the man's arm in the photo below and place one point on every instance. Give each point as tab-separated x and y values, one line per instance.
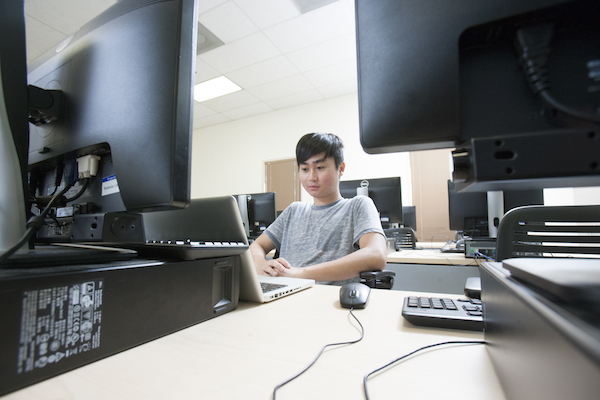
259	250
372	256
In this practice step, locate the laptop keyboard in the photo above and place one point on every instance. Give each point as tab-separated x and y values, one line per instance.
444	312
267	287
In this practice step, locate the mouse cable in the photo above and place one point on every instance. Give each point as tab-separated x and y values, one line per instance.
321	352
413	352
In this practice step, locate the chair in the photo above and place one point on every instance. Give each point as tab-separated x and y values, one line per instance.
549	231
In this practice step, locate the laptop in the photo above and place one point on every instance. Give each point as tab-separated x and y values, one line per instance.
261	289
213	227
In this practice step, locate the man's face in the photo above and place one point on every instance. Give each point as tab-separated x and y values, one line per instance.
320	178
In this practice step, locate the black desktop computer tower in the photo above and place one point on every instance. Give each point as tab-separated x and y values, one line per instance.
56	319
540	347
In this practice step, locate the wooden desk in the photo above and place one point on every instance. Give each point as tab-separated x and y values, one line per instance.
245	353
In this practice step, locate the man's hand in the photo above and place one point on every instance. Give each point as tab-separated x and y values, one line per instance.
277	267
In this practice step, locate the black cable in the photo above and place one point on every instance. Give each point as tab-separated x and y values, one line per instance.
84	186
33	225
533	43
410	354
318	355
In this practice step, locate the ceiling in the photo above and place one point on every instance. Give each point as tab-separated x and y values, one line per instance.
278	55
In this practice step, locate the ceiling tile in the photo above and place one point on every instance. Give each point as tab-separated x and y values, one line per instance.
339	89
282	87
311	28
263	72
201	111
209	121
332	74
228	22
205	5
66	16
204	72
325	53
241	53
266	13
248	111
40	38
231	101
295	99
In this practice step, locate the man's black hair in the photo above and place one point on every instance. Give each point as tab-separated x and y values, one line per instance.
312	144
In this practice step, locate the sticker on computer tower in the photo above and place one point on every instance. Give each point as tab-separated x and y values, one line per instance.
58	323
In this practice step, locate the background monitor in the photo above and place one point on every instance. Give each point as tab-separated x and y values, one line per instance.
409	217
261	209
127	79
448	75
468	212
386	194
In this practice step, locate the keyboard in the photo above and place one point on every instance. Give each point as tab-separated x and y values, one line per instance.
462	313
191	250
267	287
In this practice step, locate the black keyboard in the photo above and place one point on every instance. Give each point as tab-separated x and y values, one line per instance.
462	313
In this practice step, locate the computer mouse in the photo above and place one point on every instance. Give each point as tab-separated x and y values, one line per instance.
354	295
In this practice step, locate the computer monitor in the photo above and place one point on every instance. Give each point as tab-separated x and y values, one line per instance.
386	194
409	217
120	89
468	212
449	74
258	211
127	79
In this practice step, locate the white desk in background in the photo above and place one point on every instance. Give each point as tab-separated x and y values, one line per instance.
429	269
245	353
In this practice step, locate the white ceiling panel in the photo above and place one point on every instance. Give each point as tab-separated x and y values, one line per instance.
206	5
205	72
308	29
296	99
241	53
201	111
215	119
263	72
228	22
326	53
339	89
266	13
248	111
47	37
332	74
281	58
231	101
282	87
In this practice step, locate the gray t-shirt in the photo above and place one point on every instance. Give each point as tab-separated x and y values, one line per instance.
306	234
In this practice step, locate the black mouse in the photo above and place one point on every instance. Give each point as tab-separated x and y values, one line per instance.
354	295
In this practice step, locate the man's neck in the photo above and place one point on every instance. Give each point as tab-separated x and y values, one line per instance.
327	200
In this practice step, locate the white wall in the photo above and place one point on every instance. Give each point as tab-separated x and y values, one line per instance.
229	158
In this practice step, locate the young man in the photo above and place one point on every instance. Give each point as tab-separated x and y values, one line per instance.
331	241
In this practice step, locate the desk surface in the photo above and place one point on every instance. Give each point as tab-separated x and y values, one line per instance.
430	256
245	353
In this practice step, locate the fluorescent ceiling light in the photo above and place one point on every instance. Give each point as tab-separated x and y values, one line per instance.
214	88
